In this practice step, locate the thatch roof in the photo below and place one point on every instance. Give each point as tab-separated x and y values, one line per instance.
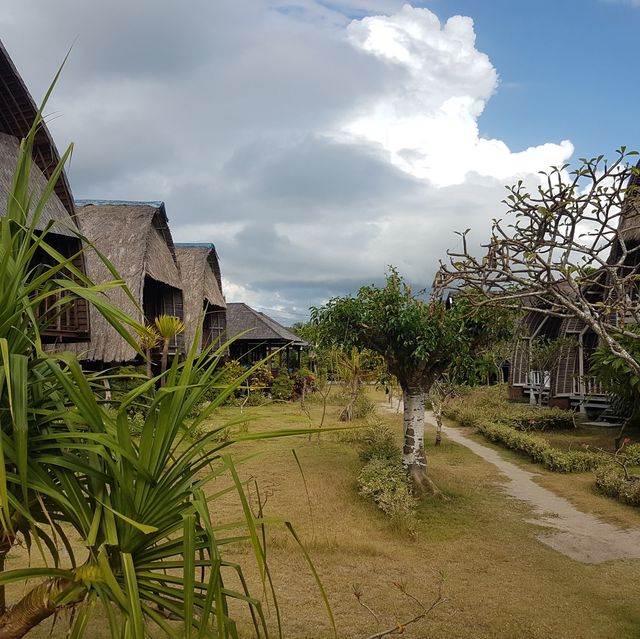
241	317
54	211
629	226
200	271
135	238
17	113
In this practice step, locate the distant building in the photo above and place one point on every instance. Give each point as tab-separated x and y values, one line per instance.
259	336
135	238
570	384
202	290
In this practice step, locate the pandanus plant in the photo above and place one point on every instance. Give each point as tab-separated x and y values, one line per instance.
134	516
168	328
148	339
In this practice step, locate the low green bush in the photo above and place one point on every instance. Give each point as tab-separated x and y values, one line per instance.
611	481
550	419
539	450
282	387
363	407
385	482
632	454
383	478
378	442
491	403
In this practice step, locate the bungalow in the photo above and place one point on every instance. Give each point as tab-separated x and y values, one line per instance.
202	290
259	337
135	238
17	114
570	385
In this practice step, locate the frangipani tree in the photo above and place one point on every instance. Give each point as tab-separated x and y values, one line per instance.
569	248
418	338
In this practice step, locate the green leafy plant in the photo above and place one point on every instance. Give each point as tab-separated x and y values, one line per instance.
282	387
538	450
70	470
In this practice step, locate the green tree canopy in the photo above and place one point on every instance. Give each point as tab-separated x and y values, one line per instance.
418	337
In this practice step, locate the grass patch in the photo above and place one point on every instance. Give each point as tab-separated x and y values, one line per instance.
501	581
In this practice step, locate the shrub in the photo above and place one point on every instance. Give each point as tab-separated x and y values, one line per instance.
551	419
363	407
378	443
385	482
632	454
611	482
491	403
539	450
282	387
303	380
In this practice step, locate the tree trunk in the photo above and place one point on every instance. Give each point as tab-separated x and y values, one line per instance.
437	413
38	604
147	352
164	361
414	459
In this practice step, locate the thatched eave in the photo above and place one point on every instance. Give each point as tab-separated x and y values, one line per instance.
17	114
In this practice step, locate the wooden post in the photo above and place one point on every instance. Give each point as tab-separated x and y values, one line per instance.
583	408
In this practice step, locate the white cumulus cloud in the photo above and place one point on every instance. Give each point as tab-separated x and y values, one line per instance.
428	123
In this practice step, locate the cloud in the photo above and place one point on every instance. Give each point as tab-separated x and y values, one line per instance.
428	123
314	142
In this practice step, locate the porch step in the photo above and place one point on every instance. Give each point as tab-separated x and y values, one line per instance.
603	424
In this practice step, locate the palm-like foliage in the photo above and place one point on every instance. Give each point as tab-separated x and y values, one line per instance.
70	470
168	327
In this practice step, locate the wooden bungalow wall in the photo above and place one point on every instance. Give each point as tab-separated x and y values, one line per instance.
70	324
215	325
162	299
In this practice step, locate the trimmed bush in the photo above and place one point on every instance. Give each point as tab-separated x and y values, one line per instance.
491	403
539	450
611	482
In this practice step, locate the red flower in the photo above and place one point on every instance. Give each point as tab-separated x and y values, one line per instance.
626	440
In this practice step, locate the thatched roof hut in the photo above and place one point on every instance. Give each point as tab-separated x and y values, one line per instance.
135	238
17	114
263	336
202	289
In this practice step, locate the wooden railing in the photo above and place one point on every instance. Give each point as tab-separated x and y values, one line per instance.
536	378
587	385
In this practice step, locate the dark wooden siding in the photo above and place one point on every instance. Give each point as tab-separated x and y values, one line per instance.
71	322
162	299
214	327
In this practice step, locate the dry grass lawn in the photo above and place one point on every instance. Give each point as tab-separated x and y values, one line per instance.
500	581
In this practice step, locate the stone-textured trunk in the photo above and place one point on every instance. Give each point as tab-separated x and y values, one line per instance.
413	451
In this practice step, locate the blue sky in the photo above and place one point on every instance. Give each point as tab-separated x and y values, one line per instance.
315	142
566	70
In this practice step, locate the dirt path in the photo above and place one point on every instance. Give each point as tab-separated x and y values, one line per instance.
580	536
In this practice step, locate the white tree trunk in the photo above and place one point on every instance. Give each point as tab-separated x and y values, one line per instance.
413	452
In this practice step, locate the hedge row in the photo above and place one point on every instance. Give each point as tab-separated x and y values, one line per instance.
611	482
539	450
491	403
